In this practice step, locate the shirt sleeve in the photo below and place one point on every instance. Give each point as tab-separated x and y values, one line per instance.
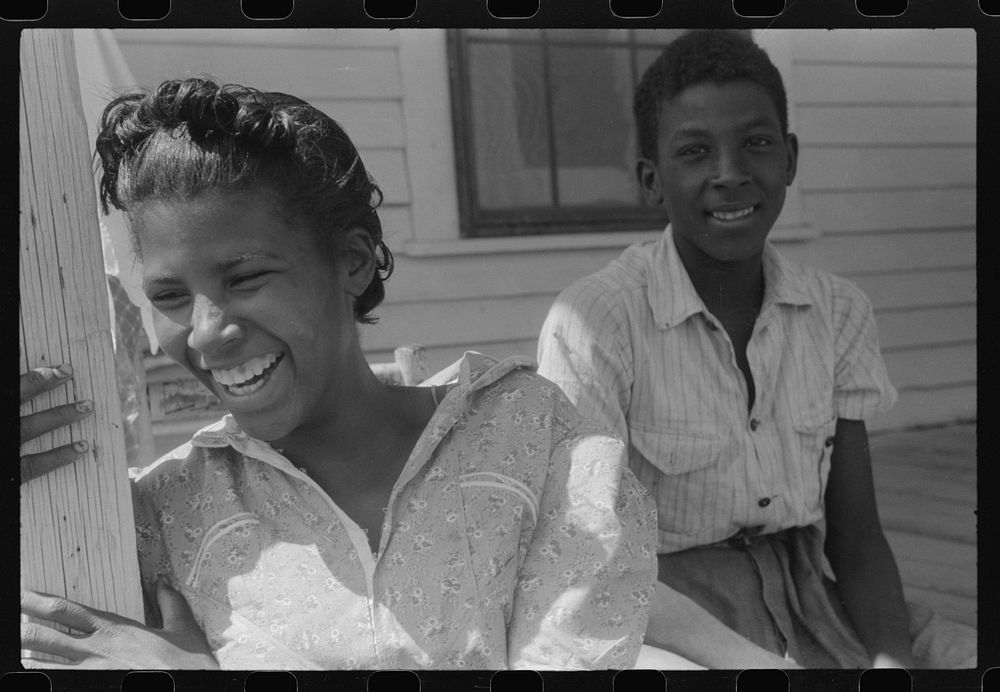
584	347
861	384
583	592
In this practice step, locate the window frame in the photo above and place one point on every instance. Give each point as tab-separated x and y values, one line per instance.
476	222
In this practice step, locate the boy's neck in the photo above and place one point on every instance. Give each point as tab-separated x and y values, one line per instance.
726	288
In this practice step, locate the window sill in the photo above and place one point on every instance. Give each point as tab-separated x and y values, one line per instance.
525	243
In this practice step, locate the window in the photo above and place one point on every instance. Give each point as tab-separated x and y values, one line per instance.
545	140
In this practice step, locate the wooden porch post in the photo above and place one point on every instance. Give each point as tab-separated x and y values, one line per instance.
77	530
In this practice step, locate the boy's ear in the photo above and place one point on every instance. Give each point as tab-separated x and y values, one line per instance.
359	260
792	147
649	182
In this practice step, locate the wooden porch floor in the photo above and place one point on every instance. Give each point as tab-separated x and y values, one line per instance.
925	481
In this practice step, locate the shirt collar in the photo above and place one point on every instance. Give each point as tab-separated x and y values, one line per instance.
784	282
673	298
226	432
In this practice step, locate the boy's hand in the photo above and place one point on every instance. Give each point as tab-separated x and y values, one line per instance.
34	425
106	640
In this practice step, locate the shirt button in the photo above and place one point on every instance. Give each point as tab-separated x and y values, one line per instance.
711	325
828	442
754	423
763	502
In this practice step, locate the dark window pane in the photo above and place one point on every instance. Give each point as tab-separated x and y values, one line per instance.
510	125
595	154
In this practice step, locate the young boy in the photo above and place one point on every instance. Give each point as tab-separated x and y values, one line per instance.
741	381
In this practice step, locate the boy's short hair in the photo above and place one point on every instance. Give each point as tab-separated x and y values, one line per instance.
709	55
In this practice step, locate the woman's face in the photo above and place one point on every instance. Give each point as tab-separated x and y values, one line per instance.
249	304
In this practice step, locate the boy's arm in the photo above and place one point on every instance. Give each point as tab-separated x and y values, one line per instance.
867	577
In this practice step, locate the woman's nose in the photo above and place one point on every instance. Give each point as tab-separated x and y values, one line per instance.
211	328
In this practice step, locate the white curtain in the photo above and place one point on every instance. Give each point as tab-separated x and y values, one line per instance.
103	74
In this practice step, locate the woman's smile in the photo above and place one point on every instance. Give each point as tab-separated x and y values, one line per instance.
248	377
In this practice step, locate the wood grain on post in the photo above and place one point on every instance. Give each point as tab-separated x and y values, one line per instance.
77	527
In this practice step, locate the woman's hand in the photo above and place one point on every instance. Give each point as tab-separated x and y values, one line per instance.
106	640
34	383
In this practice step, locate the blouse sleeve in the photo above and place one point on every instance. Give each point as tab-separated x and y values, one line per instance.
585	585
150	546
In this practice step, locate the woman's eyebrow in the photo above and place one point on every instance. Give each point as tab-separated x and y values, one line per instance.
222	266
245	257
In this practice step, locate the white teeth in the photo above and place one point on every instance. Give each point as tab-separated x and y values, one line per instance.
245	371
732	215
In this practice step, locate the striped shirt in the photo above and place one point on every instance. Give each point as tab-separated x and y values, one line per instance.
634	347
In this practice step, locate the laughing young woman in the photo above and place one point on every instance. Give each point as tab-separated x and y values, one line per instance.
332	521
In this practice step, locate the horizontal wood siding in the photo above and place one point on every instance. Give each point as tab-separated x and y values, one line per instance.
886	124
887	133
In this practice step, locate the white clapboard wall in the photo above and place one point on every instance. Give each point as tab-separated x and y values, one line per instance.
77	530
886	186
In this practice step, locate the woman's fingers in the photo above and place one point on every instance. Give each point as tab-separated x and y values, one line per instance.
35	465
60	611
35	424
46	640
42	379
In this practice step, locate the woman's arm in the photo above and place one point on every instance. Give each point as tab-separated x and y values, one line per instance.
100	639
867	577
586	581
678	624
654	658
106	640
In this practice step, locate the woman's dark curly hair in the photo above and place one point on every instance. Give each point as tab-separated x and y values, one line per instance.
709	55
192	136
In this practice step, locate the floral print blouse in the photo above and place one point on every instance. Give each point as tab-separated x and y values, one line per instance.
515	537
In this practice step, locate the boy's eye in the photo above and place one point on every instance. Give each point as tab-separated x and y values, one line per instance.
760	141
693	150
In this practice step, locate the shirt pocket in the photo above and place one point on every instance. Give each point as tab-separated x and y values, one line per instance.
676	450
500	514
682	474
814	430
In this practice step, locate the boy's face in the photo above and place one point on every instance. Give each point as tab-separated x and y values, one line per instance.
722	171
